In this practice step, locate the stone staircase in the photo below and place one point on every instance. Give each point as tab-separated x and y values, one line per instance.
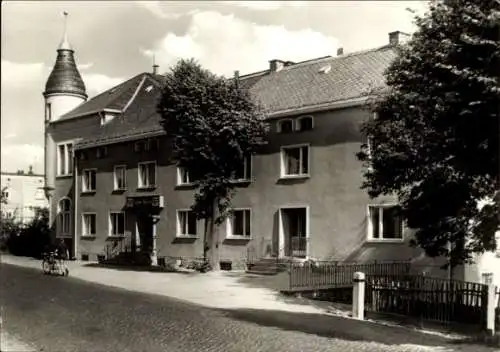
268	266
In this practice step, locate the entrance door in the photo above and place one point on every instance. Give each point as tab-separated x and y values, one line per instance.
144	226
294	224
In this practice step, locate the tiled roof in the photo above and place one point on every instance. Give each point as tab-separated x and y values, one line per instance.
300	85
139	118
305	84
65	77
115	98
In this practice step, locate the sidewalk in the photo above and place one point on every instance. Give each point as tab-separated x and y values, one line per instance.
226	291
214	289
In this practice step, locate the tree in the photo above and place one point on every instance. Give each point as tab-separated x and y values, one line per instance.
434	142
3	195
213	126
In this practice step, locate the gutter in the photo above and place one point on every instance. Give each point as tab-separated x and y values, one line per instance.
342	104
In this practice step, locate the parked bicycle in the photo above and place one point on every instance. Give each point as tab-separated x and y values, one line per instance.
52	266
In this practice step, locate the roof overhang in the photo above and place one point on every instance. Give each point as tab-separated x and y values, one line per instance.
342	104
88	113
348	103
120	139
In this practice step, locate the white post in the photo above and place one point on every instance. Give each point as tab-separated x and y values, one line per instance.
358	296
490	309
154	255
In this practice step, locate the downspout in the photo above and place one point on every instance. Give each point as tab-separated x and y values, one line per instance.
75	202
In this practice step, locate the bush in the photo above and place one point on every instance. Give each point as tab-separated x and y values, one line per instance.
30	239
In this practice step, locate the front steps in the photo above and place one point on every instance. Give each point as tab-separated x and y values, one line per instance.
268	266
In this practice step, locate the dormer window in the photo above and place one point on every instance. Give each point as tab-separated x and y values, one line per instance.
285	126
304	123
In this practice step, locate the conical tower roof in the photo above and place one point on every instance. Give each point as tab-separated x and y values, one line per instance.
65	77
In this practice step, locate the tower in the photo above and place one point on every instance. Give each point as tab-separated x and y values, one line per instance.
64	91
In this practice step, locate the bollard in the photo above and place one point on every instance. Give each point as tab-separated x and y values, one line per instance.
358	296
490	309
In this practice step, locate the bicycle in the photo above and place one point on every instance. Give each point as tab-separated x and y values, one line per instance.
51	265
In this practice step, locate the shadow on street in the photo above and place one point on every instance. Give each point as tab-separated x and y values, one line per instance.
336	327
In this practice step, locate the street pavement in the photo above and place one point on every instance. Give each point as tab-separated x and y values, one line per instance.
57	314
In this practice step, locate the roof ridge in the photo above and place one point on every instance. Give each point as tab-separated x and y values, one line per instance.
339	57
317	60
113	88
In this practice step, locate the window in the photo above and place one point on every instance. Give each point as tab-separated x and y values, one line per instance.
304	123
244	172
101	152
89	180
285	126
384	223
138	146
116	224
48	112
83	155
150	145
5	195
119	176
89	224
239	223
147	174
64	215
186	223
295	161
183	176
487	278
65	159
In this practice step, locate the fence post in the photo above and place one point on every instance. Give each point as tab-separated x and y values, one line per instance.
490	309
358	296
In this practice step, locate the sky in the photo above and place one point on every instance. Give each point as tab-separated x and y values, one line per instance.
115	40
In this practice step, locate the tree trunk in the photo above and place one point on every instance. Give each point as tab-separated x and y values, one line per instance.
211	241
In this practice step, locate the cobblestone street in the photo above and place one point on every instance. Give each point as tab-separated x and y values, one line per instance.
66	314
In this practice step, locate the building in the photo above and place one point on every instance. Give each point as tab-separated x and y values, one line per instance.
23	193
112	184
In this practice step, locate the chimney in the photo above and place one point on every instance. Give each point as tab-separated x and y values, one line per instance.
237	78
276	65
340	51
30	170
155	69
398	37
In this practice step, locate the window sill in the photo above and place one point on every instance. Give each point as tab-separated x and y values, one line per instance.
64	235
184	185
146	188
119	191
242	181
116	237
238	238
88	193
64	176
388	240
295	177
88	237
187	236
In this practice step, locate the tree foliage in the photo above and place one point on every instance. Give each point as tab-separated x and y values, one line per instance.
434	142
27	239
213	126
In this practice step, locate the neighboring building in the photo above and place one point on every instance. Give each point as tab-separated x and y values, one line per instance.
23	193
299	197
